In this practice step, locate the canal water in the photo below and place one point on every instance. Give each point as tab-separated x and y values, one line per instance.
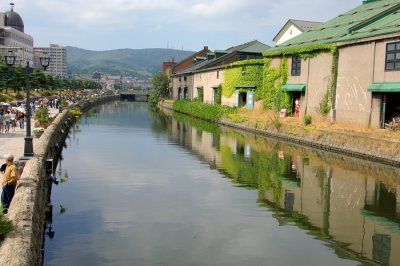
137	188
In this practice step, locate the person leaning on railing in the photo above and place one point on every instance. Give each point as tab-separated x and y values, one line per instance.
9	182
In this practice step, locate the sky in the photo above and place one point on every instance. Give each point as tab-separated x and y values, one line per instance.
178	24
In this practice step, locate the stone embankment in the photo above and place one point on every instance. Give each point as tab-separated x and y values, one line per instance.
374	149
23	245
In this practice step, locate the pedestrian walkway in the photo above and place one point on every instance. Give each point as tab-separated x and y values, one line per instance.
13	142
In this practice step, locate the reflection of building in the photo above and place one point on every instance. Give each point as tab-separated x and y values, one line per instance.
58	59
357	212
12	36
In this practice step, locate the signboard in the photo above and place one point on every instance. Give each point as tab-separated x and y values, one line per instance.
282	113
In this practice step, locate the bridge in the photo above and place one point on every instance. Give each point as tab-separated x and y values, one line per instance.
135	95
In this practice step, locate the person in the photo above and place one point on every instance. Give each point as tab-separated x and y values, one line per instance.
9	182
21	121
297	108
2	122
13	118
7	119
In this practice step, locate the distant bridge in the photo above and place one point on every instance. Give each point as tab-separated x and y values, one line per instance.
136	95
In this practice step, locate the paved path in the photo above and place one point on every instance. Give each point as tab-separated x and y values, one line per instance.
13	142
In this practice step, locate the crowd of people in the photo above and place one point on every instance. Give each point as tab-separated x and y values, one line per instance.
13	115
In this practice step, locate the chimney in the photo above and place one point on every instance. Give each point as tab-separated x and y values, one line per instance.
206	48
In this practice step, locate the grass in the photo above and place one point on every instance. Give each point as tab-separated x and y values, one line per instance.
5	225
322	130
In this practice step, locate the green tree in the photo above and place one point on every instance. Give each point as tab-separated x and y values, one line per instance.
17	78
160	82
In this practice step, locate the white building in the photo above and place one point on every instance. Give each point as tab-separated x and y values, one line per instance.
292	28
58	59
12	37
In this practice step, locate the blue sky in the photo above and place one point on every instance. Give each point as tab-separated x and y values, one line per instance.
188	24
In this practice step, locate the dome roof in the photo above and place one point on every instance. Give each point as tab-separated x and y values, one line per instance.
14	20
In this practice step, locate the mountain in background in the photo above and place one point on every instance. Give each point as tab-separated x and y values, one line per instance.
140	63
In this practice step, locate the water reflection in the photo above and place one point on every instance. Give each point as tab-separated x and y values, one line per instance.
152	189
351	204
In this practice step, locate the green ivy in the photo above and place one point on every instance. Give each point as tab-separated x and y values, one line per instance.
218	96
304	52
245	73
273	79
326	103
200	94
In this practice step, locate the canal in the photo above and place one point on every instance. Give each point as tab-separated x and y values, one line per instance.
136	188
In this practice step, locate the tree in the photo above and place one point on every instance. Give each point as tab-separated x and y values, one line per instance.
160	82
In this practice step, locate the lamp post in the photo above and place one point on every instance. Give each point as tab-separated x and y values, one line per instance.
60	84
10	61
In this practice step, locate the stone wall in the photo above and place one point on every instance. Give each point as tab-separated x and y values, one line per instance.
23	245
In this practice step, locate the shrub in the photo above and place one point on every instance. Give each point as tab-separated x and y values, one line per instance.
324	106
235	118
307	120
5	225
42	115
260	124
203	110
19	96
76	112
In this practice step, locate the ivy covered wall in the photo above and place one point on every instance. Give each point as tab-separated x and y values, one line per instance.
242	73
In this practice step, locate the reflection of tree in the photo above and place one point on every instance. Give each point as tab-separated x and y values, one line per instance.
262	171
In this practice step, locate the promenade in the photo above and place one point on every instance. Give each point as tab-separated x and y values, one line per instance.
12	142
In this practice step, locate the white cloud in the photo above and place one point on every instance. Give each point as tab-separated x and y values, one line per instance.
184	20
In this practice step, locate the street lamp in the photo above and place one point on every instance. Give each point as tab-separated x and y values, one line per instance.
10	61
59	104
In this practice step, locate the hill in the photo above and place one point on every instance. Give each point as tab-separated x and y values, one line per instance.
139	63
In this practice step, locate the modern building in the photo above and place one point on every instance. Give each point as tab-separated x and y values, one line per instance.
13	39
58	59
293	28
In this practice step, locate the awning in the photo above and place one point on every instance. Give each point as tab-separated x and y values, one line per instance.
294	87
385	87
244	87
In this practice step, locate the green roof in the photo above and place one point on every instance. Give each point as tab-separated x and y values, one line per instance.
385	87
372	18
294	87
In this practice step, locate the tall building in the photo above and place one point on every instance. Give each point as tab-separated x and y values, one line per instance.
58	59
12	37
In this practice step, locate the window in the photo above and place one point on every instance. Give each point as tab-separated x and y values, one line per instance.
217	74
296	66
180	78
392	56
184	78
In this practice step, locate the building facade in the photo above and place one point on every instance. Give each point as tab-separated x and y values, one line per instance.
355	66
13	39
58	59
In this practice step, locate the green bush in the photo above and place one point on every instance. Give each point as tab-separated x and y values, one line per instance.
42	115
307	120
260	124
5	225
235	118
324	106
19	96
203	110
